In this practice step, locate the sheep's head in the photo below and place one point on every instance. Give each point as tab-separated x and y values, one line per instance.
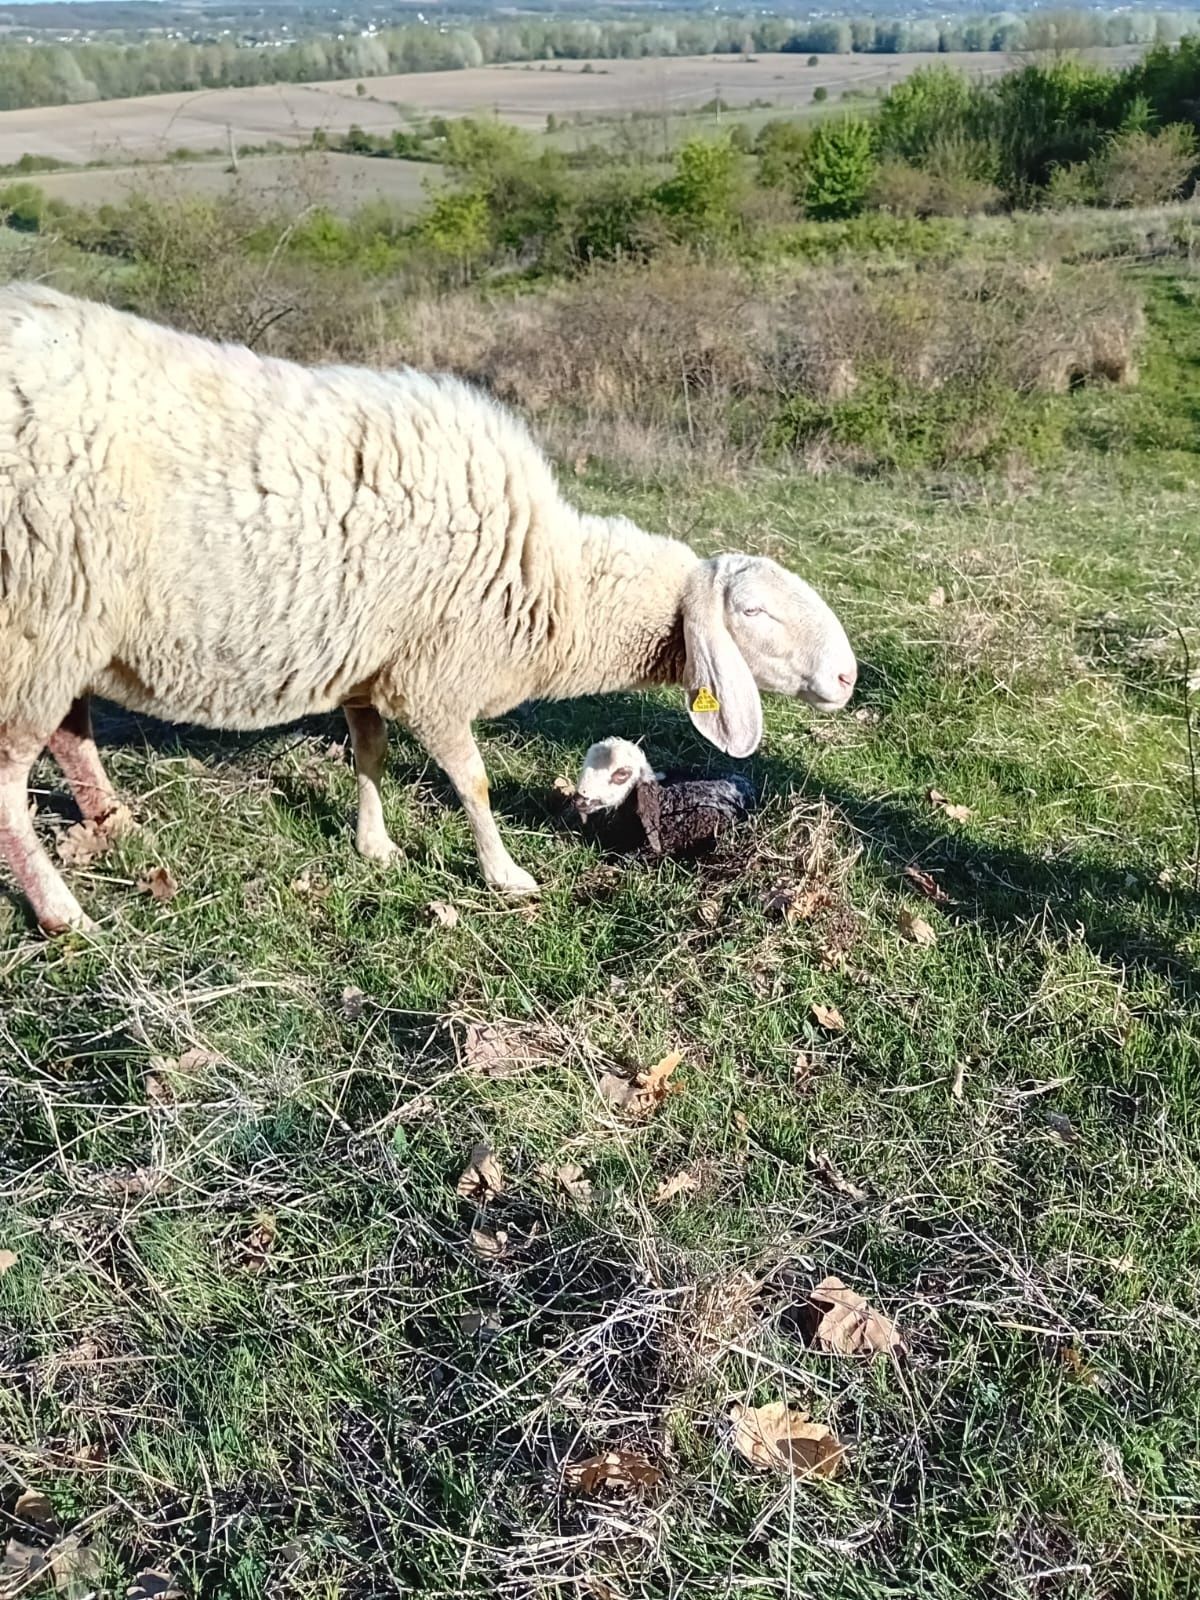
748	624
611	769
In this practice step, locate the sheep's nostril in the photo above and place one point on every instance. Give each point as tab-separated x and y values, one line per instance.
847	679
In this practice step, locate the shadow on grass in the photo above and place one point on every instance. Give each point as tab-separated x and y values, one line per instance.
996	886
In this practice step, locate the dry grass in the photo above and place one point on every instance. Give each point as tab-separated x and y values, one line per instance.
702	355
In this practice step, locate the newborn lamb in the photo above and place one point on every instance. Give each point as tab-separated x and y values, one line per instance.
630	807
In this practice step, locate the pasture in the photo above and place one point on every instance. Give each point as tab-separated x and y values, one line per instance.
336	180
147	128
937	1014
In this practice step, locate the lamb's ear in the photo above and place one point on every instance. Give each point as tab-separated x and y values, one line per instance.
722	695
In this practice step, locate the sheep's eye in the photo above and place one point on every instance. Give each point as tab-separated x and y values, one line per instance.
752	611
621	775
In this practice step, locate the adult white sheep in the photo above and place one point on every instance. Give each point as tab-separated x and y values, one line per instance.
206	535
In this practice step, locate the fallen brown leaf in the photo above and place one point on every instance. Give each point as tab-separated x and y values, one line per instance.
86	842
681	1183
253	1252
480	1324
195	1061
21	1565
795	902
616	1474
1062	1128
927	884
153	1584
848	1325
822	1164
937	597
159	884
499	1050
777	1436
353	1000
445	915
956	1086
940	803
564	787
8	1258
867	715
75	1566
488	1246
483	1178
827	1017
573	1180
916	929
34	1507
645	1092
133	1185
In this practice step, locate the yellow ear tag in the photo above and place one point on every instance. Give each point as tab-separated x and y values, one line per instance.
705	700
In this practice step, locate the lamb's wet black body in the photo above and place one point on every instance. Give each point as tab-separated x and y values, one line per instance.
677	815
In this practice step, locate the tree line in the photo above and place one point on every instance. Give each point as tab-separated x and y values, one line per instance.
64	74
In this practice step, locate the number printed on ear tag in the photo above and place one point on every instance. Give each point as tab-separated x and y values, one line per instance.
705	700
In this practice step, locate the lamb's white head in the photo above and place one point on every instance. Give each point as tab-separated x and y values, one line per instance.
611	769
748	624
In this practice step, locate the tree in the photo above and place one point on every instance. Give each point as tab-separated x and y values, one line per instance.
699	196
921	112
839	169
457	226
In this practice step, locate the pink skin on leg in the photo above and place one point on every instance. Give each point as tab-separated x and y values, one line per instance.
54	906
74	748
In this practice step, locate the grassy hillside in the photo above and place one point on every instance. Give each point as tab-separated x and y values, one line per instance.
253	1335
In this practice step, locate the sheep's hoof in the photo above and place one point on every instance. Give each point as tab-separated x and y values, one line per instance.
385	850
515	883
74	921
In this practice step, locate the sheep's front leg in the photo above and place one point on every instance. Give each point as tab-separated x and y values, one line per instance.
368	738
54	906
456	752
73	746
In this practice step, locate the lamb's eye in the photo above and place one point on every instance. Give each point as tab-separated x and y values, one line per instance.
753	611
621	775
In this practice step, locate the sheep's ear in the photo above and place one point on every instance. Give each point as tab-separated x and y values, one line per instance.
722	695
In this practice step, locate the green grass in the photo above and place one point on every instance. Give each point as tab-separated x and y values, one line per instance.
329	1417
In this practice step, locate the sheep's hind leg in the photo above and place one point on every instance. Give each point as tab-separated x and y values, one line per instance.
54	906
73	746
368	738
458	756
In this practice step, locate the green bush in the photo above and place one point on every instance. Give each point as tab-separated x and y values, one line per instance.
839	169
782	148
820	93
457	226
889	425
931	106
698	198
1144	169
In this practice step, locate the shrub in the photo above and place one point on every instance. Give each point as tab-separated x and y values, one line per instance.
698	197
901	190
782	148
924	110
457	228
1070	186
1145	169
24	207
820	93
613	219
839	169
813	61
